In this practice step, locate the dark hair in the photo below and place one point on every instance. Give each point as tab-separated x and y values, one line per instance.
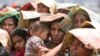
20	32
1	44
15	20
3	52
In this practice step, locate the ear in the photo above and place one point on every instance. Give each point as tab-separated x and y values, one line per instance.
41	31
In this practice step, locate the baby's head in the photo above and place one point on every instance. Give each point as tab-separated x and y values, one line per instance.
40	29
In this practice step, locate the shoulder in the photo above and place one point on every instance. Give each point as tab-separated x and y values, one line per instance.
35	40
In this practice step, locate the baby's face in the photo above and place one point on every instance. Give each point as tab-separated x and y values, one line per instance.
44	34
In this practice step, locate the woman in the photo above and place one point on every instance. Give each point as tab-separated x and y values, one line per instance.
46	6
83	44
76	16
9	19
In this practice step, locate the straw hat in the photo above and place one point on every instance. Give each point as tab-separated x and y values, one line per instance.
8	12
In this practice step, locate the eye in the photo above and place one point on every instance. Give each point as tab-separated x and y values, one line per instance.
81	45
60	30
19	41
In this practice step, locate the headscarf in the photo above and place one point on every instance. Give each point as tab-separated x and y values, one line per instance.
8	12
65	6
4	38
78	9
49	3
87	24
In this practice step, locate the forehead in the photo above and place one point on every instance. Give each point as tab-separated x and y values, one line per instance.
8	20
55	24
16	38
79	15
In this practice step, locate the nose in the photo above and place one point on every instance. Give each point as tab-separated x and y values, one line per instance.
6	27
79	23
56	32
17	45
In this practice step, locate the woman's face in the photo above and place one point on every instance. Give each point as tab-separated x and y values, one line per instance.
8	25
79	19
18	42
77	49
56	33
42	8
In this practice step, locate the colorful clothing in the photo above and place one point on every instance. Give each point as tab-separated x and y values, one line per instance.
15	53
32	46
8	12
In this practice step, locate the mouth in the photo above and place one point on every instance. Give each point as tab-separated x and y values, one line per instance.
74	54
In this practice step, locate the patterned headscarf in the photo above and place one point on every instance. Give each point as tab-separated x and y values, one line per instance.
8	12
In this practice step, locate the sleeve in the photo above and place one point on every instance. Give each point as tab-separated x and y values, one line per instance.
32	45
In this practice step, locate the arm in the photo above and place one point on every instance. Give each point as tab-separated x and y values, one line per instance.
53	51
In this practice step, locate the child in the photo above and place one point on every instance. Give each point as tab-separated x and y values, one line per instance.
18	39
39	35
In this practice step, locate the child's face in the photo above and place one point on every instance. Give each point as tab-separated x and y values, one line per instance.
44	34
18	42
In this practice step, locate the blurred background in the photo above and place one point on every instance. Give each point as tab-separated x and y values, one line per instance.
90	4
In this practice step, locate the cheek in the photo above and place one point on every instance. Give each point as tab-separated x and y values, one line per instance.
22	44
51	32
83	51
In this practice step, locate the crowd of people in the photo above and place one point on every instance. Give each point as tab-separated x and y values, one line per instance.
49	28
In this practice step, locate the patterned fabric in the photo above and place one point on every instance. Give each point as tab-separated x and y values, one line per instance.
8	12
32	46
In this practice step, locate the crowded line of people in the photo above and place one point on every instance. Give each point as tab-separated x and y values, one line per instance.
48	28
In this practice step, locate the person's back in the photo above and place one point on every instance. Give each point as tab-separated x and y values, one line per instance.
39	33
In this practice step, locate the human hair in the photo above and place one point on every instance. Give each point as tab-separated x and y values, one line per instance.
59	21
38	26
20	32
1	45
